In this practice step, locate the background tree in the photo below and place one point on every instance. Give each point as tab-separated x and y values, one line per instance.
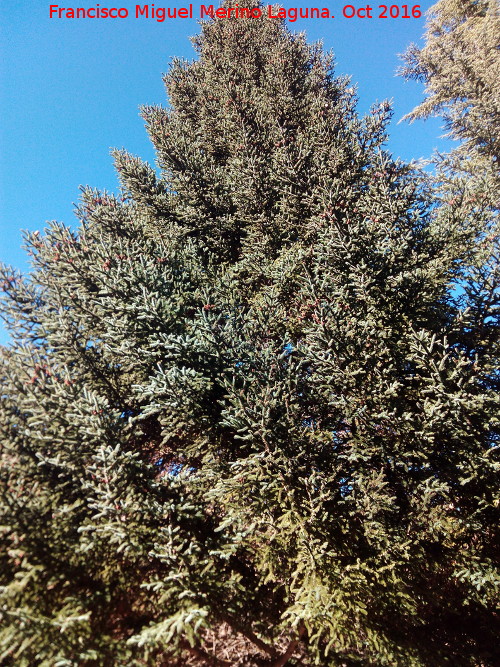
460	66
238	424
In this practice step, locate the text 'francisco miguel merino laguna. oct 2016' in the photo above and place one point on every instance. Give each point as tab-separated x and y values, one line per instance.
160	14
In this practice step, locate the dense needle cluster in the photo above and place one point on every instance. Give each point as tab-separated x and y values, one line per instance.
249	415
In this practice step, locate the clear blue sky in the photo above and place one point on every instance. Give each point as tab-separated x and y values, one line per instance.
70	91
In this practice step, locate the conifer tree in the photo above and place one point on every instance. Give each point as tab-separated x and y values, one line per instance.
237	426
460	66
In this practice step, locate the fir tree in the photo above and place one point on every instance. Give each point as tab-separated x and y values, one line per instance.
460	66
238	423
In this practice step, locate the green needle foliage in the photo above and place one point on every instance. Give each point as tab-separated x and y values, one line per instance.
460	66
243	418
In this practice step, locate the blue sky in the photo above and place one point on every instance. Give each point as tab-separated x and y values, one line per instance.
70	91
